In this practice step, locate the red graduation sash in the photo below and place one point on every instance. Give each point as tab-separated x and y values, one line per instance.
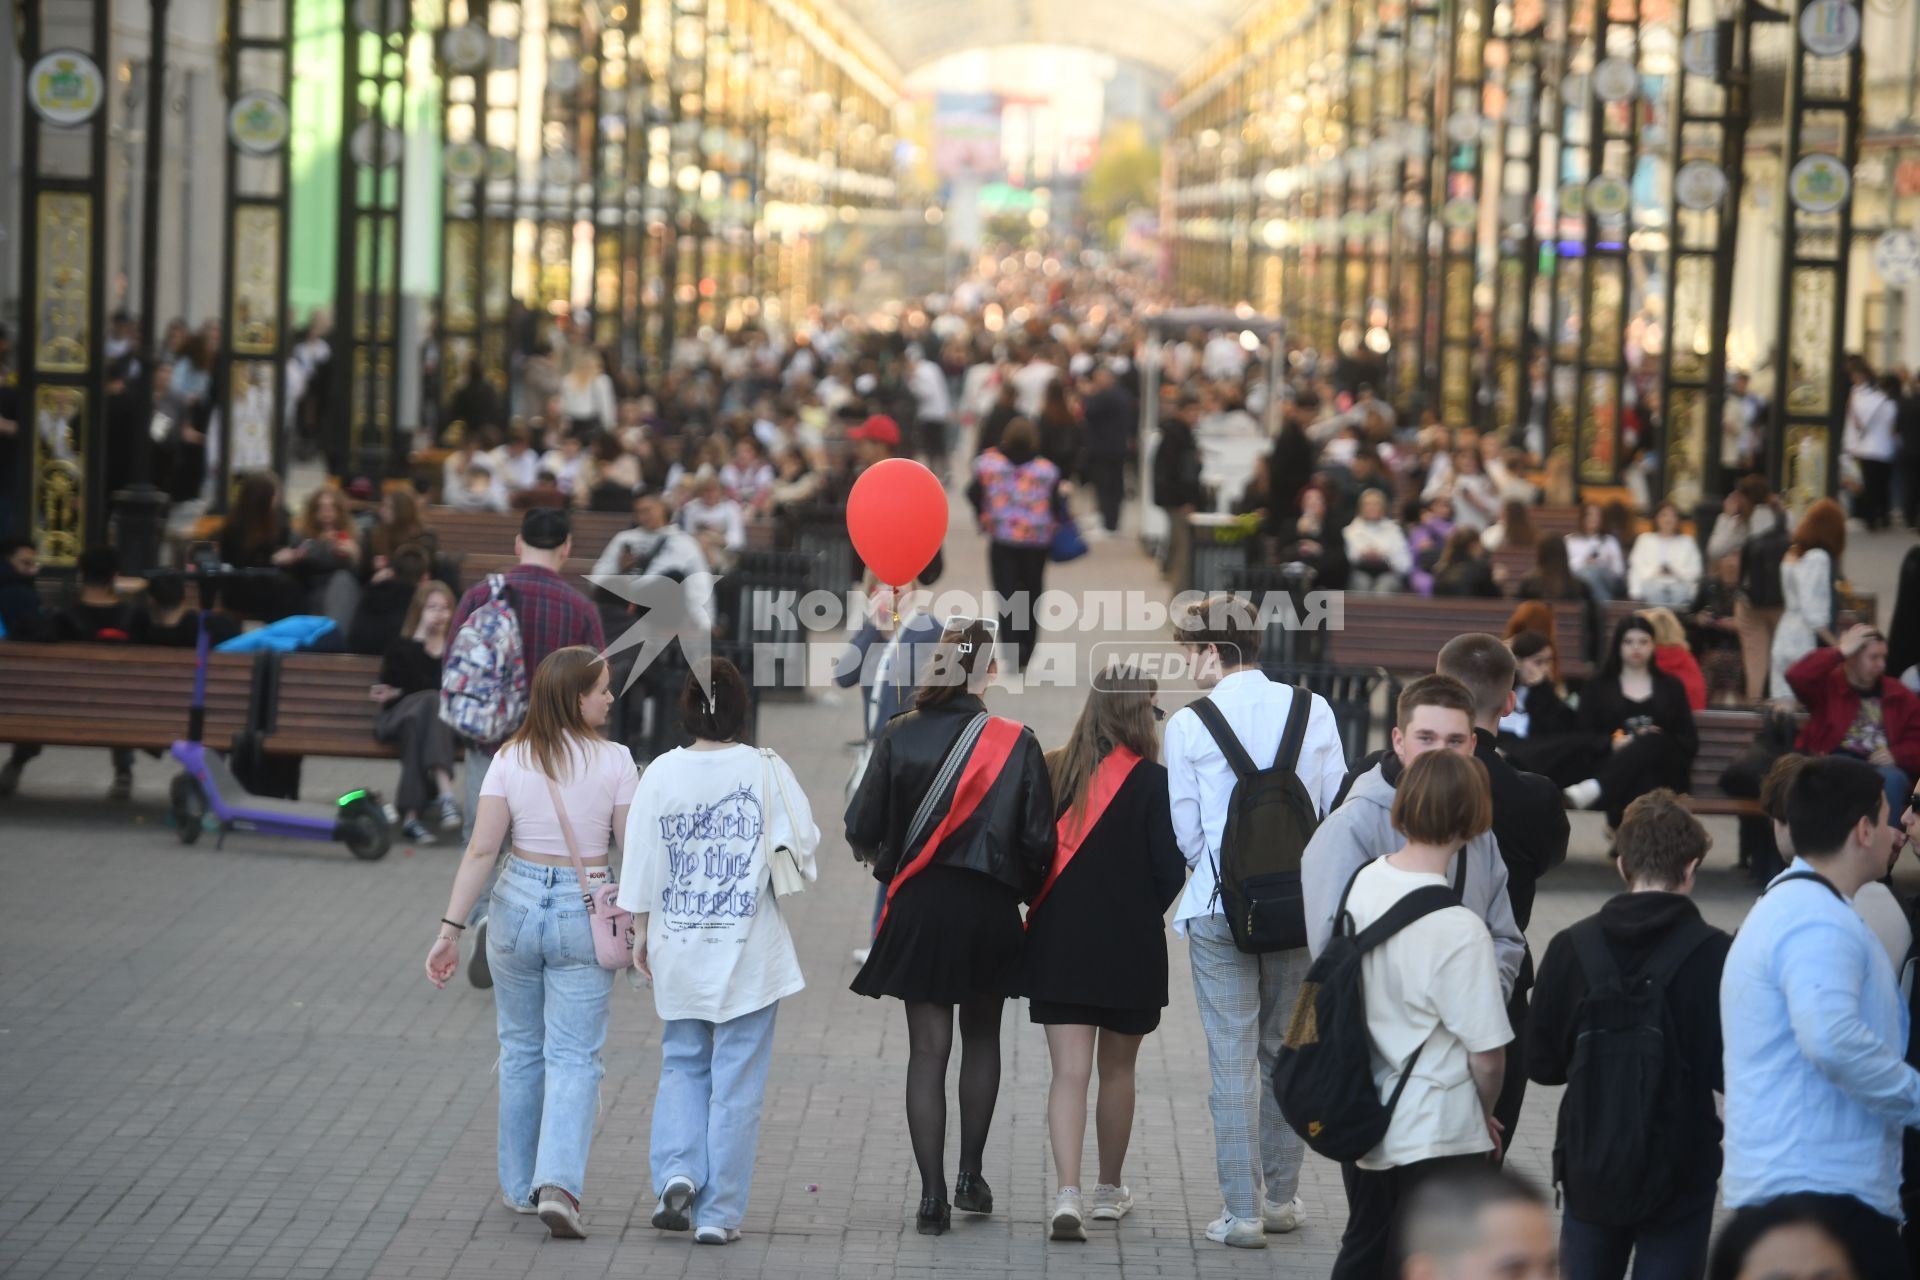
1076	825
984	763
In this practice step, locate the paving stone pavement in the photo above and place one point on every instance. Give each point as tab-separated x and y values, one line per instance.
226	1063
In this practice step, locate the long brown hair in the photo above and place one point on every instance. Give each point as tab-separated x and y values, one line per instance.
389	536
255	512
1462	543
310	521
423	593
1552	573
1518	521
1823	527
1118	713
553	727
966	646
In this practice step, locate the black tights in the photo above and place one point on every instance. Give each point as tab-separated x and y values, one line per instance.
929	1043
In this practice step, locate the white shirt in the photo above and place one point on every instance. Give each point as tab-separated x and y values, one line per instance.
600	780
1870	420
1223	357
928	383
1679	554
696	866
1030	382
722	516
1433	984
516	473
1200	781
1586	550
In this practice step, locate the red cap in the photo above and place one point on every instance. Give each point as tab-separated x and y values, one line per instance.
879	428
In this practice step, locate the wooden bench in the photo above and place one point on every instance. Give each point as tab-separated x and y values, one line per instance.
1723	736
1404	633
491	533
319	707
117	695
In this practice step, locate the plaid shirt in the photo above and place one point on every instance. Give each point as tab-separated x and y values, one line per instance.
552	614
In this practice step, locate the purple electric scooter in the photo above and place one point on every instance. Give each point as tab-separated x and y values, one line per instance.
206	785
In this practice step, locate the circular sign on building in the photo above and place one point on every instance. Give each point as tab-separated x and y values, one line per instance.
465	48
1460	213
1896	256
66	87
258	122
1700	184
563	75
465	161
1819	183
1608	197
1830	28
374	146
558	169
1616	80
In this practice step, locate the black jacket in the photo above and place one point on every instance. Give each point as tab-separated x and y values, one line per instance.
1636	923
1604	709
1467	578
1529	817
1099	937
1176	467
1009	837
1111	417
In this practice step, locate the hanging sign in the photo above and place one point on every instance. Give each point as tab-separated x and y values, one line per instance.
1460	213
465	161
1896	256
1830	28
1616	80
65	87
465	48
1819	183
258	123
1608	197
1700	184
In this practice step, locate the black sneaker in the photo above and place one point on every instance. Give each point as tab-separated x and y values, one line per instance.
416	831
971	1194
122	786
477	971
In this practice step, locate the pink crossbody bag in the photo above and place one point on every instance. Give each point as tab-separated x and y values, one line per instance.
612	927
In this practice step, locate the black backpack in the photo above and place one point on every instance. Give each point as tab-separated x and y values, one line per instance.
1270	819
1627	1084
1760	559
1323	1077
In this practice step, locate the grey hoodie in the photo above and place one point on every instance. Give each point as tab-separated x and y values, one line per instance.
1360	830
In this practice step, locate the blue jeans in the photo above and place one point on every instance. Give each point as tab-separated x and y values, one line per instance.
706	1114
1668	1251
550	997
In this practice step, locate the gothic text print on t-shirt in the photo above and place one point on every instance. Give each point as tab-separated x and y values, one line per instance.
712	870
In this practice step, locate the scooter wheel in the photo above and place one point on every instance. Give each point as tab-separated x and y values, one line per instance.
364	828
189	807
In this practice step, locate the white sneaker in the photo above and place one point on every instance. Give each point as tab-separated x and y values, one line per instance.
1237	1233
515	1205
1110	1204
715	1235
1069	1221
676	1198
1279	1219
860	954
1583	795
561	1213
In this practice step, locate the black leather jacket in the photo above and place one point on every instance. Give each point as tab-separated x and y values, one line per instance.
1009	837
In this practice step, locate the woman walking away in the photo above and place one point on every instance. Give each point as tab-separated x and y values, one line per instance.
1013	492
1807	575
560	786
409	698
706	824
1096	960
955	814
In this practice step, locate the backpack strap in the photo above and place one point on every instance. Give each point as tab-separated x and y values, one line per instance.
1460	876
1422	902
1595	956
1298	711
1224	737
1675	950
1814	876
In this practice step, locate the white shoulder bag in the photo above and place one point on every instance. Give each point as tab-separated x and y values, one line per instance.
782	862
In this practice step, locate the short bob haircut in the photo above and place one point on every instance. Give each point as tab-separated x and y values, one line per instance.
719	718
1443	798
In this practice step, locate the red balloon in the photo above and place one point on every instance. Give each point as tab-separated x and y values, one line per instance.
897	518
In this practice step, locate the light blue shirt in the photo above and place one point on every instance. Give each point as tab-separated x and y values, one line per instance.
1818	1089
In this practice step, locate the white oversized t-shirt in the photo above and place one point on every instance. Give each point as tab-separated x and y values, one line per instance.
696	867
1435	983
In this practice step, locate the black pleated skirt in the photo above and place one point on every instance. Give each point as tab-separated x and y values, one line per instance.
950	935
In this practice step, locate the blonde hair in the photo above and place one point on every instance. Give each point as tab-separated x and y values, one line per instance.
1666	628
553	731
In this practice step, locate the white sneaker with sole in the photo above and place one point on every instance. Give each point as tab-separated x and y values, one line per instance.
1069	1220
715	1235
676	1198
515	1205
561	1213
1237	1233
860	954
1280	1219
1110	1204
